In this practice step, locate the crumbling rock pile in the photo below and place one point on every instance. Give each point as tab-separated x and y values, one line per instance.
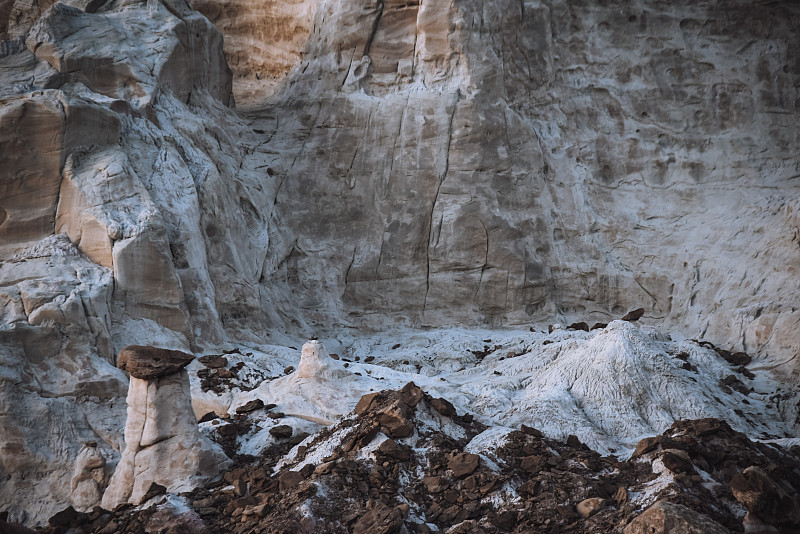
401	465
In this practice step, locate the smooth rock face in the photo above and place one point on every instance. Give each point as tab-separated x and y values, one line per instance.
147	363
162	442
669	518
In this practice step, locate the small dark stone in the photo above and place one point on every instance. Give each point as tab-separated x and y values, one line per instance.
529	430
250	406
444	407
737	358
288	370
213	361
676	464
634	315
289	479
391	449
463	464
154	490
579	326
281	431
64	518
597	326
210	416
574	442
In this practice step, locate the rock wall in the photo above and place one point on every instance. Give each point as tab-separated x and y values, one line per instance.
400	163
507	163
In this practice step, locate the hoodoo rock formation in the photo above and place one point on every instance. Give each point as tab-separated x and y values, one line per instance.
232	176
162	442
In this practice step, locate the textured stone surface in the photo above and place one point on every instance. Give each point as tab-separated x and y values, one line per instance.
666	517
162	442
417	164
147	363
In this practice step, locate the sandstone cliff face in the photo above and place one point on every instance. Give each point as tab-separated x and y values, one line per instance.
507	163
400	163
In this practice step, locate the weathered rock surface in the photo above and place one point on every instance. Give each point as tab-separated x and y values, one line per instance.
147	363
414	164
665	517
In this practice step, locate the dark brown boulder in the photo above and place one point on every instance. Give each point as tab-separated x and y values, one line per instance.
669	518
68	517
147	363
579	326
529	430
14	528
154	490
463	464
250	406
281	431
411	394
394	420
652	443
764	498
634	315
365	402
289	479
532	464
676	463
381	519
392	449
214	361
444	407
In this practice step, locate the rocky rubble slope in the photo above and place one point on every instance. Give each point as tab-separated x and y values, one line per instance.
406	462
392	164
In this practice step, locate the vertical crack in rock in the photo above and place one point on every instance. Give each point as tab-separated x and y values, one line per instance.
442	178
374	29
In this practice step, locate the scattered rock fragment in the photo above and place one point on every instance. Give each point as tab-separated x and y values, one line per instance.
444	407
290	479
214	361
281	431
589	507
579	326
250	406
154	490
391	449
765	499
463	464
634	315
668	518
